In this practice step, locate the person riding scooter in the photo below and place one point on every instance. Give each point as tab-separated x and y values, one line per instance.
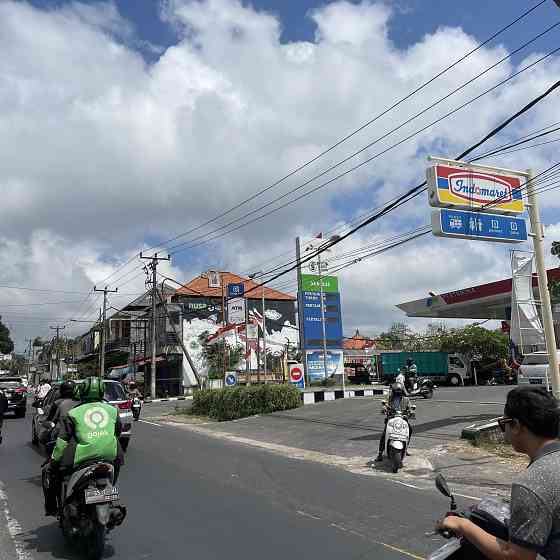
397	401
90	433
411	372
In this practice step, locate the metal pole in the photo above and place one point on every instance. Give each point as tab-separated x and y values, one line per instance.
224	323
300	312
264	335
323	326
538	244
247	353
103	327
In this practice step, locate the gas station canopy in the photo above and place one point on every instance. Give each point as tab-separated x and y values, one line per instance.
486	301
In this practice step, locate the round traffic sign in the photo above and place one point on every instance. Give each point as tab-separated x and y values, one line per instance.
296	374
231	379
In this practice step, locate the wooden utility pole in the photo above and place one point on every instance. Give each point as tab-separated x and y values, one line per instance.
153	265
105	291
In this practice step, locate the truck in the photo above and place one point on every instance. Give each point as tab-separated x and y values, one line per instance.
438	366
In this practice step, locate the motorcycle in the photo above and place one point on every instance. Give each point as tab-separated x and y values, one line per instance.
88	506
397	436
422	387
136	408
490	514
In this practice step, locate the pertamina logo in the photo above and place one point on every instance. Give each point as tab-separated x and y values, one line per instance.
479	188
96	418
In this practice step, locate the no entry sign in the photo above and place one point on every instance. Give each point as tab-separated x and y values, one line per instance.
296	375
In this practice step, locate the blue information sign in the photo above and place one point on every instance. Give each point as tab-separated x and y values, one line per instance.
235	290
312	320
231	379
478	225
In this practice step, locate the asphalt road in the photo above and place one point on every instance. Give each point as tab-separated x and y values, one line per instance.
189	495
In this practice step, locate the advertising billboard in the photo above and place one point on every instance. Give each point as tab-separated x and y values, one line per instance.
236	311
468	188
312	283
313	324
316	366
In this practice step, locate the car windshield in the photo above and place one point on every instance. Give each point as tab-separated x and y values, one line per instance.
11	383
114	392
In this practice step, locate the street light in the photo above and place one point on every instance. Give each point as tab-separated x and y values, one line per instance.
252	277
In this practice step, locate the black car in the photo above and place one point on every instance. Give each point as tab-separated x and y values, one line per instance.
16	393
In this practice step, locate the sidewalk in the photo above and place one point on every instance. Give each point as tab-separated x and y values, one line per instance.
345	433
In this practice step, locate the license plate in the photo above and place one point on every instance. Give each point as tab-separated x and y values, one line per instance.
535	381
97	496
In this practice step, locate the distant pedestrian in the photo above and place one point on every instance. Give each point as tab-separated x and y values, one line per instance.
531	424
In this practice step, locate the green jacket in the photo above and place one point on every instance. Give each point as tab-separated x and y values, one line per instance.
89	433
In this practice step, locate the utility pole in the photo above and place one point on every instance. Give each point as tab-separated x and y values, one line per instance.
28	359
323	326
538	245
300	312
153	265
247	348
57	329
105	291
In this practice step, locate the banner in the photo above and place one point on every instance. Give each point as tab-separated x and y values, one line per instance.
316	364
526	327
313	283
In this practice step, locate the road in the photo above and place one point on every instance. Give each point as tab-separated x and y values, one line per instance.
191	495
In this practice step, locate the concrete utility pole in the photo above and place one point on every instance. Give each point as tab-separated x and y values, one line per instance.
105	291
300	311
28	340
323	326
538	245
57	329
253	276
153	265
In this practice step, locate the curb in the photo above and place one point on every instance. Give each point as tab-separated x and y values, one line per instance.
322	396
483	430
169	399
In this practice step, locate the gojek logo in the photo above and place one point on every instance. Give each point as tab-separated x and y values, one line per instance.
96	418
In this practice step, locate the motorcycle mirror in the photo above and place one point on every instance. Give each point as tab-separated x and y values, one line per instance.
441	485
40	411
413	407
383	402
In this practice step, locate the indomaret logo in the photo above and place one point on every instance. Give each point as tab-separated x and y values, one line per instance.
479	187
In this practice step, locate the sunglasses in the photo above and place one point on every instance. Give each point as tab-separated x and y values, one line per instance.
503	421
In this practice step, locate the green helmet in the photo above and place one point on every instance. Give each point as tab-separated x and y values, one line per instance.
92	390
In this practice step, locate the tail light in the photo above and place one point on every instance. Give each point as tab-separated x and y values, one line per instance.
20	390
127	405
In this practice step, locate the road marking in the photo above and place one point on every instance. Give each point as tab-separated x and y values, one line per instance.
469	497
14	528
305	514
468	402
409	485
151	423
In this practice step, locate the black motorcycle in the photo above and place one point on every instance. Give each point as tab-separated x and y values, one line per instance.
421	387
489	514
88	506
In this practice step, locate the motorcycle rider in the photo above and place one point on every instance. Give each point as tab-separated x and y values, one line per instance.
64	403
411	370
43	388
3	408
397	401
133	391
89	433
530	423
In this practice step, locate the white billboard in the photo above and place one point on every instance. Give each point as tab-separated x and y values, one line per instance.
236	311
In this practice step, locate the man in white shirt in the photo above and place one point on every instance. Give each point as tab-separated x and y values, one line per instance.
42	390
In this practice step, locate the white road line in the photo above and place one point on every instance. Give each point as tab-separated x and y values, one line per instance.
409	485
151	423
467	402
14	528
305	514
468	497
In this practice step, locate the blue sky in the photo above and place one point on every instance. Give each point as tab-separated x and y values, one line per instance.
412	20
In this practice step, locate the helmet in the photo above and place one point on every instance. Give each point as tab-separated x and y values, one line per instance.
397	389
132	385
92	390
409	361
67	390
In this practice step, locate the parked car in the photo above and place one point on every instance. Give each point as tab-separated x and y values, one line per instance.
534	369
16	393
114	394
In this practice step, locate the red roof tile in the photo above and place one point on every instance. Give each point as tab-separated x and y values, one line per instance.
199	287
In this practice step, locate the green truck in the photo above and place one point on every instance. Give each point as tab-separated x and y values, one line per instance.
438	366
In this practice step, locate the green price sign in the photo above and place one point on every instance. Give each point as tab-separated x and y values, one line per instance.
312	283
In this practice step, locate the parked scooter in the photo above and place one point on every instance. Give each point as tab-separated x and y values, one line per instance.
490	514
422	387
397	435
136	408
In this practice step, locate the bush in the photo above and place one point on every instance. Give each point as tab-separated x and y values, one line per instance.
240	402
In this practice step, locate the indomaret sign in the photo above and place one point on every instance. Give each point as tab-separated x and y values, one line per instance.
469	188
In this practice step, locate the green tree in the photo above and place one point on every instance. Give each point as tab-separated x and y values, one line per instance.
475	342
213	355
6	343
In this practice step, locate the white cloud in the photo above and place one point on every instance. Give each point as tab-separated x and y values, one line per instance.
100	150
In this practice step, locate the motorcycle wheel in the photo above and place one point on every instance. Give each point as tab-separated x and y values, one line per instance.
428	394
97	542
395	458
34	438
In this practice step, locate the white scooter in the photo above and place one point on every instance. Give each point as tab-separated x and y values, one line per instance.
397	436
